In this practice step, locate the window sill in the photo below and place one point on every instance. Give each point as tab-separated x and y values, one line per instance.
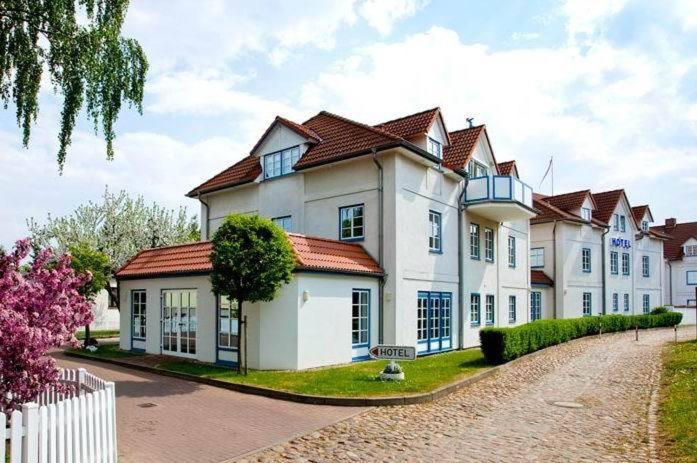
511	322
537	266
475	325
489	323
435	251
227	349
352	239
358	346
491	261
475	258
133	338
511	266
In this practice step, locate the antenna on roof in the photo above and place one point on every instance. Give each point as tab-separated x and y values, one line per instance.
469	121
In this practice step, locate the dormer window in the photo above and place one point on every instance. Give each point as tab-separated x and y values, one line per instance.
645	225
281	162
476	169
586	214
435	148
691	250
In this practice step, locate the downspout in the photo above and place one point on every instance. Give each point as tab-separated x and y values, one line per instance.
205	238
460	265
554	261
604	273
670	282
381	285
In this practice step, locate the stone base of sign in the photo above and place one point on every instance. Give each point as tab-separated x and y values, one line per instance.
392	376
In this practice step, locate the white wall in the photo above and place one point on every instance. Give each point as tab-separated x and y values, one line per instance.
105	317
681	291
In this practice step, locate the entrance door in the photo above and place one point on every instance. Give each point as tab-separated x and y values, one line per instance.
179	322
433	321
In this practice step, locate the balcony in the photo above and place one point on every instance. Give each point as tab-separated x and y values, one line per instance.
499	198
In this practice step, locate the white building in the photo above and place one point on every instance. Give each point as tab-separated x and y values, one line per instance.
680	262
597	254
450	253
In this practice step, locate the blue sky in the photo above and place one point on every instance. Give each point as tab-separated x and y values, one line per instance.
609	88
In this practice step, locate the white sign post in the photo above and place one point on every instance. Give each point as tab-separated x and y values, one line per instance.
393	371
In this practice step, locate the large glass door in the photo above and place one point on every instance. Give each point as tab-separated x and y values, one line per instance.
179	322
433	321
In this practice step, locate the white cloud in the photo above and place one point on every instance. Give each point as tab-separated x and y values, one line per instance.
383	14
584	17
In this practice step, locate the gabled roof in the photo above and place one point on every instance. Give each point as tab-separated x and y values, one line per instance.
570	201
461	148
538	277
312	254
244	171
507	168
295	127
639	212
412	125
606	203
548	213
678	235
341	138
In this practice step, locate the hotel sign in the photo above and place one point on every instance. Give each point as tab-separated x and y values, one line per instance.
393	352
620	243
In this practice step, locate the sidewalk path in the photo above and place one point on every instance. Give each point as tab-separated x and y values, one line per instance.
589	400
192	422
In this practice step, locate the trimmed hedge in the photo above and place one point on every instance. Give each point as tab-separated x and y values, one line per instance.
501	345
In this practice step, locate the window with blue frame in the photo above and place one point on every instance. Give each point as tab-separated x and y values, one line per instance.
281	162
475	309
645	266
616	224
535	305
614	262
537	257
360	313
586	259
625	263
474	241
285	222
228	323
623	224
435	148
435	232
646	303
476	169
691	277
586	214
626	302
433	320
512	309
490	310
615	302
351	222
489	244
511	252
645	225
138	314
587	304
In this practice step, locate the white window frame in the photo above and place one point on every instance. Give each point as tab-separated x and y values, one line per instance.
475	244
586	260
535	305
616	225
535	255
350	213
475	309
489	244
690	250
587	304
625	303
228	325
691	277
435	231
512	309
490	310
614	263
645	225
646	303
626	264
586	214
360	317
645	266
615	302
512	259
422	317
476	169
623	223
139	309
285	222
281	162
434	147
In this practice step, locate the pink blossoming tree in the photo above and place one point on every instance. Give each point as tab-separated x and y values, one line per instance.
40	309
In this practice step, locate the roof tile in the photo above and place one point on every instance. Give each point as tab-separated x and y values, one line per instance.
244	171
409	126
462	143
538	277
506	167
672	248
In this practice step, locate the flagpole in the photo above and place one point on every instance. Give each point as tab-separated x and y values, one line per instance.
552	161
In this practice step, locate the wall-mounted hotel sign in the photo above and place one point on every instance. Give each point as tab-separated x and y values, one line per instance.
620	243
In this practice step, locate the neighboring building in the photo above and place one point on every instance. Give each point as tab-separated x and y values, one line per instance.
450	250
596	255
680	262
106	312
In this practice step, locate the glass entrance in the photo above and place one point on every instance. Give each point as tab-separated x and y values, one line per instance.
179	322
433	321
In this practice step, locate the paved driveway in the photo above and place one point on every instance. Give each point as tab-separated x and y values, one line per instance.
192	422
591	400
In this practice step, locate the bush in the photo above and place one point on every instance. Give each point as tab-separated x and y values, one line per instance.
659	310
501	345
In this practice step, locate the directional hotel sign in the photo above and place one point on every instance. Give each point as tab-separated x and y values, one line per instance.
393	352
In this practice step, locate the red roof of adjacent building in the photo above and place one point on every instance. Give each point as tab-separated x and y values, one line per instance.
244	171
412	125
569	201
548	212
462	144
678	235
311	253
639	212
606	203
506	167
538	277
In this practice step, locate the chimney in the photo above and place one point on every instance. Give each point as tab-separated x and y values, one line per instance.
470	122
670	223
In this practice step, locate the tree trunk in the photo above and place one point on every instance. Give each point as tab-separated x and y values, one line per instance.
87	336
239	336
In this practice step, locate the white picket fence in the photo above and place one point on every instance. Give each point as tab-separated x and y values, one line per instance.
79	427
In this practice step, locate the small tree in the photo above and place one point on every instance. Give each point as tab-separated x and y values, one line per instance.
40	309
251	259
87	260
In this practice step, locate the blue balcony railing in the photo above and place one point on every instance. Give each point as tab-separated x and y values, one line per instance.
499	188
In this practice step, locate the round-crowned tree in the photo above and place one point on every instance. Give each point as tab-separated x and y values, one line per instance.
252	258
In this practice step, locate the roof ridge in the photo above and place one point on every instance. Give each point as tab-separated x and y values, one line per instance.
179	245
609	191
293	123
468	128
588	190
359	124
436	108
559	210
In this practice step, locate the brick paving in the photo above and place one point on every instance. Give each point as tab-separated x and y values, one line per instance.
192	422
512	416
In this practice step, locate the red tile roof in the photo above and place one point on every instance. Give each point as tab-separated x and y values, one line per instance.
341	138
569	201
506	167
538	277
462	144
409	126
639	212
606	203
294	126
549	212
681	232
244	171
312	253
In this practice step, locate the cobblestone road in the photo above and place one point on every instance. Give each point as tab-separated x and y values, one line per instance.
514	415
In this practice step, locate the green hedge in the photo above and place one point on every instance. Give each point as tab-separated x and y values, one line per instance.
504	344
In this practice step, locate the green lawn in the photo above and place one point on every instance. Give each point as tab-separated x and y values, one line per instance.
354	380
98	334
678	412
